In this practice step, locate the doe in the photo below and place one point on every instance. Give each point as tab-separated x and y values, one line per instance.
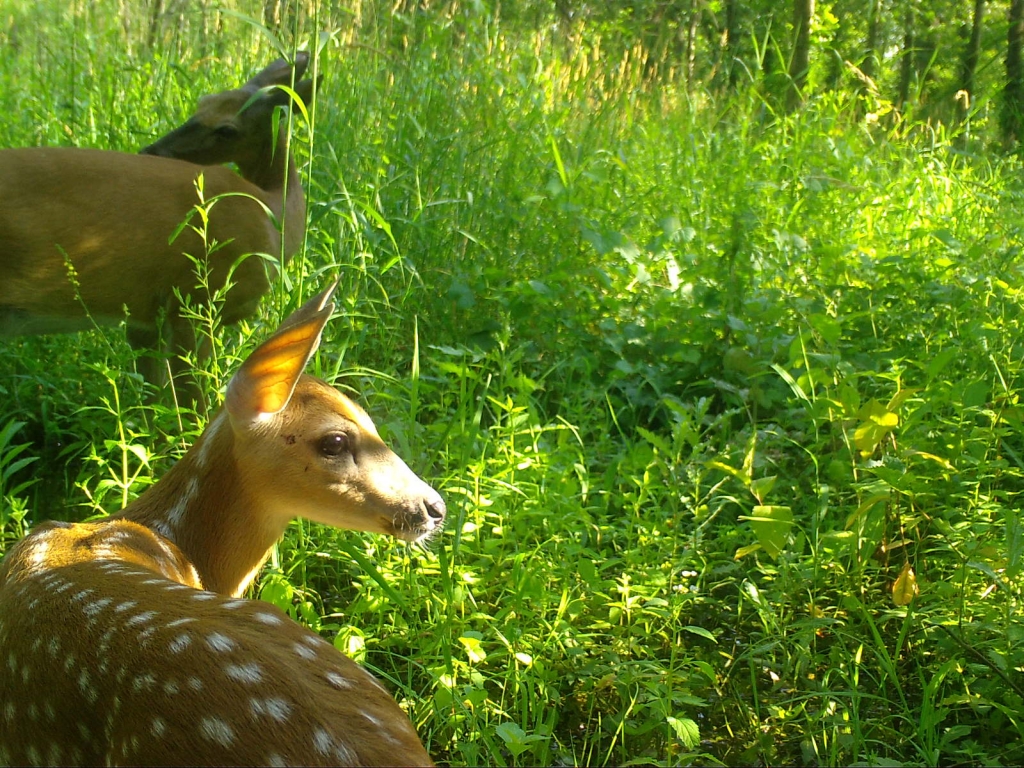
86	234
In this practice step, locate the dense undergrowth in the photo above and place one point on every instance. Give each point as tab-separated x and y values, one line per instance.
725	404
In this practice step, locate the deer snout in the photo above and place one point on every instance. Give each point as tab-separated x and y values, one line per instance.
423	518
435	508
156	148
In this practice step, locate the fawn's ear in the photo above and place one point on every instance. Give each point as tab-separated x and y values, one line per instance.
265	382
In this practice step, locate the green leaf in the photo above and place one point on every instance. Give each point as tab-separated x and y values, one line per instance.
939	361
772	525
516	739
686	731
762	486
700	631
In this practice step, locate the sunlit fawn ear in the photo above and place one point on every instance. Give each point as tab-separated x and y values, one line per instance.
265	382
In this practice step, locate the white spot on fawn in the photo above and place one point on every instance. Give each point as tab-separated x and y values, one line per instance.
203	453
53	756
93	608
220	642
276	708
143	681
340	682
244	673
141	618
166	547
145	634
267	618
180	643
346	756
216	730
322	741
176	513
303	651
158	727
39	552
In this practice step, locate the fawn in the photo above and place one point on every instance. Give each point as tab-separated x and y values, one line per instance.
123	642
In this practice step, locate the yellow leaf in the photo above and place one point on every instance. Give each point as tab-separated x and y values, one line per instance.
887	419
744	551
932	457
739	474
905	589
871	409
876	422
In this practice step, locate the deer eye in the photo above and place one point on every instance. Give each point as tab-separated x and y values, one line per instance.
226	131
334	444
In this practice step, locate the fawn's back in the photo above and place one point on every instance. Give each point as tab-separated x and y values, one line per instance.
153	670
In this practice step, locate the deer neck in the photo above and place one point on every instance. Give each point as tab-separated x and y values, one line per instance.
273	170
202	506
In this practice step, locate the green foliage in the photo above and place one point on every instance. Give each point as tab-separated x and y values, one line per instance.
698	382
12	462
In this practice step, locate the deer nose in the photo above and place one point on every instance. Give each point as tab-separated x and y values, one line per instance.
436	509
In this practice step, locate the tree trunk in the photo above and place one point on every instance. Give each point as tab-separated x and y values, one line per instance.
732	42
155	12
869	64
1013	92
803	13
970	62
907	59
691	44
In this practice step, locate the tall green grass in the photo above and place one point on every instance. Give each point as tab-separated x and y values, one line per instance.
696	380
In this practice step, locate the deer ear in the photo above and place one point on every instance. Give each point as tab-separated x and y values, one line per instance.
265	382
279	72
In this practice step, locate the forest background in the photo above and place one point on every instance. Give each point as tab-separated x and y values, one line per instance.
704	315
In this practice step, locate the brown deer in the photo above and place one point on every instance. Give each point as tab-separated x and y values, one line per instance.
123	642
87	235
